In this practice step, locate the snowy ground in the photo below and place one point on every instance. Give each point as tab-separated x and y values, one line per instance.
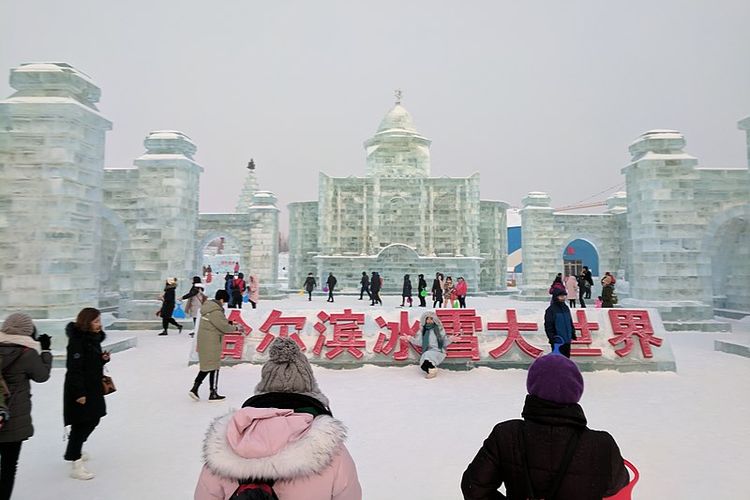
686	432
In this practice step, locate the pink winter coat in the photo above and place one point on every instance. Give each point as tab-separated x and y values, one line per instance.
461	288
571	286
305	455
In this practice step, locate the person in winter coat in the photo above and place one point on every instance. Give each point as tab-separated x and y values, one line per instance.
376	283
433	341
310	285
253	289
237	291
449	292
365	286
462	288
83	395
167	307
195	299
558	323
437	290
526	455
583	286
406	291
22	358
421	287
331	283
214	324
608	292
589	279
557	284
285	435
571	288
228	279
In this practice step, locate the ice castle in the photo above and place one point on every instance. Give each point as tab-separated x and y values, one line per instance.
399	220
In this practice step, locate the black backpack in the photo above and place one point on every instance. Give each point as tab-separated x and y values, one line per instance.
254	490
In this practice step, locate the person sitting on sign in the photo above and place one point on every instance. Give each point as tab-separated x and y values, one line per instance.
433	341
551	453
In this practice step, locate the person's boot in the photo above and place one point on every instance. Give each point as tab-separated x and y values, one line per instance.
194	392
179	328
215	396
431	373
163	332
80	472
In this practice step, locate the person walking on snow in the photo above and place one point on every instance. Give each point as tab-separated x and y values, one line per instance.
571	288
433	341
589	280
376	283
83	394
437	291
310	285
582	287
195	299
24	356
365	286
406	291
528	455
214	325
421	290
331	283
167	307
608	291
284	439
558	323
449	292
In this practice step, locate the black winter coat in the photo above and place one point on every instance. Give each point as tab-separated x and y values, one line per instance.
84	376
406	291
421	285
19	365
595	471
167	306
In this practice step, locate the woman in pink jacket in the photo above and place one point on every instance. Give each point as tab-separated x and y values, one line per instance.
285	437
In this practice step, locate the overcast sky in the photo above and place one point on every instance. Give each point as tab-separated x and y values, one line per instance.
533	95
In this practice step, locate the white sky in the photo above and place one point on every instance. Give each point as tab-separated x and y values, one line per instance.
542	95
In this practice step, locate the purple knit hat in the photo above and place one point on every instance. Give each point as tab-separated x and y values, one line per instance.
555	378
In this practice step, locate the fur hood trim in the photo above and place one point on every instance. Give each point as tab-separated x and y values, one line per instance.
312	454
435	318
20	340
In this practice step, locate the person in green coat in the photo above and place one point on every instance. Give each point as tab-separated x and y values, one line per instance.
211	329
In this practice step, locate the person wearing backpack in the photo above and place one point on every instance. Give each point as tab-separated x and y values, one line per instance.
551	453
283	443
83	394
24	357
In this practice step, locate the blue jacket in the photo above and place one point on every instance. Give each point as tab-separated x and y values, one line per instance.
559	322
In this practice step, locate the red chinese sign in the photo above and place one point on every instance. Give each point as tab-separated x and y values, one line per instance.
343	334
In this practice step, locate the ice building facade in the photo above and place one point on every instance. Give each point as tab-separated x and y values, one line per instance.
74	234
679	240
398	220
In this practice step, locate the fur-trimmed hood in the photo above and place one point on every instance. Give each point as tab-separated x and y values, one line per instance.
271	443
435	318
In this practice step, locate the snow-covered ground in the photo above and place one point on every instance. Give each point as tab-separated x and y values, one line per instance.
688	432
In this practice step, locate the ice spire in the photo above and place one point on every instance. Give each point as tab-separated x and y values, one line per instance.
248	190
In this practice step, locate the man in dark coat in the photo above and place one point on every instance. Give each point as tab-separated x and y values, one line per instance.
527	455
421	286
558	323
331	283
365	282
22	359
